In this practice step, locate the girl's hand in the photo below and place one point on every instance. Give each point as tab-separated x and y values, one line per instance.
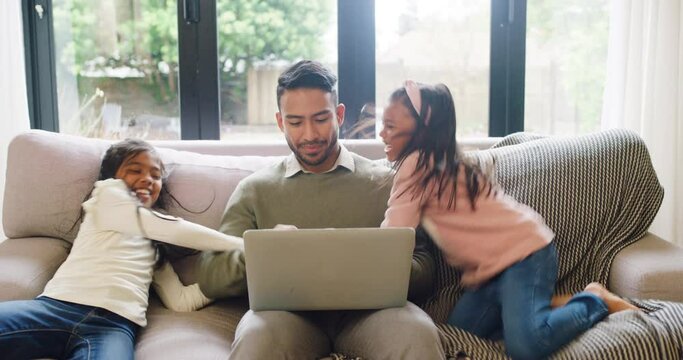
174	294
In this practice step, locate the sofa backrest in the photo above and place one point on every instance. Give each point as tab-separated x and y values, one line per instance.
369	148
49	175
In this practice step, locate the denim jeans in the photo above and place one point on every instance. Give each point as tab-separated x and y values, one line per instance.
516	305
51	328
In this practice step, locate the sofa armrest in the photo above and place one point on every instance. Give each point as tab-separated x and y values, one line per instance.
650	268
26	265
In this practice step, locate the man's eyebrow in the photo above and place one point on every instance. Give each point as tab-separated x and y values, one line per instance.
324	112
297	117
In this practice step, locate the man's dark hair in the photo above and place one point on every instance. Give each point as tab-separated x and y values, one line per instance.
307	74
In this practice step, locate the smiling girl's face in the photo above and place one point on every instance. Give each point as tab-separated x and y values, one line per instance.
398	128
142	174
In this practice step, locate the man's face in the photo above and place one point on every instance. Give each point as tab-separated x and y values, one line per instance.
310	121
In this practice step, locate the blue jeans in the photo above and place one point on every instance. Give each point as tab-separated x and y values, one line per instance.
51	328
516	305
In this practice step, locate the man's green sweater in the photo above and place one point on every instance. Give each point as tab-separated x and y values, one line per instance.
338	199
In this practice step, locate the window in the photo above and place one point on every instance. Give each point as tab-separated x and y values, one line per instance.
256	42
407	32
117	68
565	65
207	69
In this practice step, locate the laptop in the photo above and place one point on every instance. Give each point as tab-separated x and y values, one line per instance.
328	269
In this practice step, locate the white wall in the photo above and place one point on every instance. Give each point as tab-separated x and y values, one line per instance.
13	104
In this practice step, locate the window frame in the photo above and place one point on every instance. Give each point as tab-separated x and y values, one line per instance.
356	59
39	59
199	91
508	65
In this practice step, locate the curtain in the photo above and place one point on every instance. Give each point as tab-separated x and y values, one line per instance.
13	103
644	93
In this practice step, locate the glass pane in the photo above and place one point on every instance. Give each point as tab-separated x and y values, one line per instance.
257	40
117	68
440	41
566	53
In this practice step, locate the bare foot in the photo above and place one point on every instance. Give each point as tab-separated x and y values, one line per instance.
559	300
614	302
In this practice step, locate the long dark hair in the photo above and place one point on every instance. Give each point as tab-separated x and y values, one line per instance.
439	156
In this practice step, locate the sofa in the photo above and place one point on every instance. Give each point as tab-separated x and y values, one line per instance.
49	175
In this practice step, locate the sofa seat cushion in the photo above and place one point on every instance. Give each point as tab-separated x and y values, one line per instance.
27	264
203	334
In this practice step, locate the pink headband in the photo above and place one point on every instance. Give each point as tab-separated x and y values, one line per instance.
413	91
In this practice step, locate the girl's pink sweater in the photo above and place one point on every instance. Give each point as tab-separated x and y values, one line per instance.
481	242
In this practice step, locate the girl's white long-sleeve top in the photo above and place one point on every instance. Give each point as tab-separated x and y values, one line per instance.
112	258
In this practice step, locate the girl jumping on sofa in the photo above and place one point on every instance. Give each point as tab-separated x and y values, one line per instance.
503	248
97	299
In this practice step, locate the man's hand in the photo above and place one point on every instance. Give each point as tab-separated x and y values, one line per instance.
284	227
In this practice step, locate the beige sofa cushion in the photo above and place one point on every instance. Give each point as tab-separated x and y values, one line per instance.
48	176
27	264
204	334
651	268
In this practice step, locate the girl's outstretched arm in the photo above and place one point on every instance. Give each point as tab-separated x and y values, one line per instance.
173	294
115	209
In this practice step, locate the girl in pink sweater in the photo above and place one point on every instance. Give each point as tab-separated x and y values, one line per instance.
503	248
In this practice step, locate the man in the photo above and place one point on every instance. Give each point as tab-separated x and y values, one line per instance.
320	185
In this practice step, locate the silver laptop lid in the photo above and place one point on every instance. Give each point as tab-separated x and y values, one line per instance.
328	269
